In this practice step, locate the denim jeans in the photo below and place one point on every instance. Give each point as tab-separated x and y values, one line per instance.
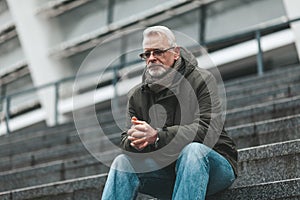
199	171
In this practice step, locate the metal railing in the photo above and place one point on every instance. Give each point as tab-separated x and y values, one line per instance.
256	33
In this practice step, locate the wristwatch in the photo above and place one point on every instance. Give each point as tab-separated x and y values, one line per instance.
157	138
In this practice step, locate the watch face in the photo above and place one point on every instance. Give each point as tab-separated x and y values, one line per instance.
158	129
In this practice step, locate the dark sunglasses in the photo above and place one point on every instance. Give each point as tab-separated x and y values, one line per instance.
155	53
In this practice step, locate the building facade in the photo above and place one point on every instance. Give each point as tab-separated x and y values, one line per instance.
48	44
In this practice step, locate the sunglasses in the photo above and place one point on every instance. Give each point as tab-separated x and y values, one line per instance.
155	53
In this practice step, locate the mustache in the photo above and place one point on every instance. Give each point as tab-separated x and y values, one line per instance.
154	65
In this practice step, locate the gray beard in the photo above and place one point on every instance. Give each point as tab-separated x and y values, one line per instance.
155	73
158	83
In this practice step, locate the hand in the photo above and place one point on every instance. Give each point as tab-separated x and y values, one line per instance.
141	134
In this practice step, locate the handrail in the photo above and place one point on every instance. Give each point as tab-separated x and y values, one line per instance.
246	33
256	34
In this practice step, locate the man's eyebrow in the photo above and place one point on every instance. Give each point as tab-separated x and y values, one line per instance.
153	49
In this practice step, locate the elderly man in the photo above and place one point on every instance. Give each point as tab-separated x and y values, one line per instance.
175	146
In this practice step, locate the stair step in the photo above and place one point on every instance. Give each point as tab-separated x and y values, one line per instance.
60	152
50	140
264	111
261	96
281	73
283	190
272	162
266	132
260	164
90	188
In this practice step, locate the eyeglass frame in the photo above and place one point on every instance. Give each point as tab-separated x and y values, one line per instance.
152	52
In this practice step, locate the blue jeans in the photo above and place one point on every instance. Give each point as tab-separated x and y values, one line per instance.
195	175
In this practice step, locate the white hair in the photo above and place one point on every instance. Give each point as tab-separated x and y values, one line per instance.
160	30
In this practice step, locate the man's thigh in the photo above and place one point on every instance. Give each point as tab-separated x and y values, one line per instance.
221	174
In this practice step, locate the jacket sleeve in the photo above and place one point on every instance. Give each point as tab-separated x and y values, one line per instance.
125	143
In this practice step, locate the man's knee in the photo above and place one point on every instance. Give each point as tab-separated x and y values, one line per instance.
194	151
193	158
196	148
122	163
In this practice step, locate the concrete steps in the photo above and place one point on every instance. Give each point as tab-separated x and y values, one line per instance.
263	111
34	150
66	137
272	162
278	74
59	152
91	188
266	109
266	132
266	163
260	96
263	119
283	190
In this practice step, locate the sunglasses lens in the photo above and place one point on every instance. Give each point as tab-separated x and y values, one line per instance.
147	54
158	52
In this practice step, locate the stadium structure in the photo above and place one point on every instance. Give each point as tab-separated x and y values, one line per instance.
64	63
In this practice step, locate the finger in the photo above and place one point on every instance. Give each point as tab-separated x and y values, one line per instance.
139	141
139	146
136	122
130	131
138	134
143	145
134	118
133	145
132	138
141	127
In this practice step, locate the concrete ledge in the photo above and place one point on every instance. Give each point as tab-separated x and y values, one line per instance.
23	134
266	163
51	138
263	111
284	80
273	162
265	95
266	132
76	189
52	172
284	190
90	188
273	74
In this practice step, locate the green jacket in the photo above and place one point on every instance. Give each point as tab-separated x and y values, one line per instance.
190	111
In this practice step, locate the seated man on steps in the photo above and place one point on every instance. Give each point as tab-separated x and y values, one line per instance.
176	146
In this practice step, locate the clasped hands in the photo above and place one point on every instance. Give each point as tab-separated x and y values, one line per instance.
141	134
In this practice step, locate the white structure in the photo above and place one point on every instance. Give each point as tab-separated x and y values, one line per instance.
293	12
37	36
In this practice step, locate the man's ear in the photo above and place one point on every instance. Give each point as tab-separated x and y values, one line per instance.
177	52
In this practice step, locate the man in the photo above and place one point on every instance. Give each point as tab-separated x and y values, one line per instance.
176	146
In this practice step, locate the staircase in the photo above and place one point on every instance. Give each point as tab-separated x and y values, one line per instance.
263	118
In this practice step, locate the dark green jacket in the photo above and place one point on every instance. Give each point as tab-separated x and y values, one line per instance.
189	111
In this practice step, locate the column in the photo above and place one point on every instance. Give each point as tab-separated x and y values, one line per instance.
292	8
36	36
